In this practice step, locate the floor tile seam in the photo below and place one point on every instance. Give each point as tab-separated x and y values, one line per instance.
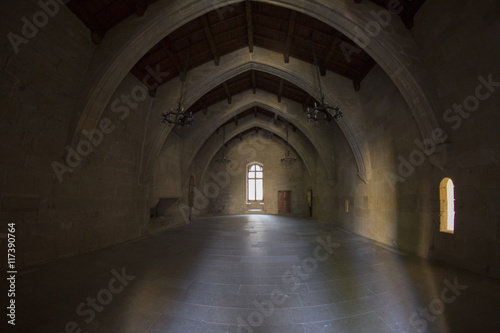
195	323
386	323
221	284
256	310
339	292
226	307
312	322
356	315
351	317
330	289
253	308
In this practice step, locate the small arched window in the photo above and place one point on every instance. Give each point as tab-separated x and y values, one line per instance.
447	206
255	183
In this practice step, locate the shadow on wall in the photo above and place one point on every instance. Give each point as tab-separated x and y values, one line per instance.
166	214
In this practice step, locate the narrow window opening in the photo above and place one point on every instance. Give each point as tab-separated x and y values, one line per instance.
447	203
255	183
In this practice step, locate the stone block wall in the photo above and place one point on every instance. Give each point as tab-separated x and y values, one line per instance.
40	83
461	51
400	205
64	201
268	151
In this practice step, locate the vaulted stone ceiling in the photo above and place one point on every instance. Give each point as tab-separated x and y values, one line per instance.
220	34
230	27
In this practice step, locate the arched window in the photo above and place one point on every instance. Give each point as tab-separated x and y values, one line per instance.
255	183
447	203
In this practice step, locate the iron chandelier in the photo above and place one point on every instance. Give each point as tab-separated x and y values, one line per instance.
177	116
323	111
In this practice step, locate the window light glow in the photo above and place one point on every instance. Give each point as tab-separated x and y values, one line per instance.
255	183
447	206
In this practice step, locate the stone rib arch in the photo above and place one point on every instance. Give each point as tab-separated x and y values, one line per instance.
222	112
125	44
117	54
302	150
206	77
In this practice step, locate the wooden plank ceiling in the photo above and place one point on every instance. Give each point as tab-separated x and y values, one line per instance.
244	25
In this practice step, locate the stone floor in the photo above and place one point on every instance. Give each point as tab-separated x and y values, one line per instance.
254	273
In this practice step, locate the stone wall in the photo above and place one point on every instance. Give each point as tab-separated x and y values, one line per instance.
64	201
387	207
263	149
168	172
221	188
40	84
461	48
100	191
400	205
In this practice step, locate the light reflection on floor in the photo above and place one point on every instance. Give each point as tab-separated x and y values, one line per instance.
255	274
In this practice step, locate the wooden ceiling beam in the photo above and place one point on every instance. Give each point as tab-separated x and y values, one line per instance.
331	52
203	106
97	31
307	101
140	7
280	91
173	58
406	11
210	39
362	74
248	6
356	84
269	40
152	92
254	82
288	45
267	81
228	93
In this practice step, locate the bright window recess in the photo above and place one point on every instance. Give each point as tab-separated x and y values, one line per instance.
447	209
255	183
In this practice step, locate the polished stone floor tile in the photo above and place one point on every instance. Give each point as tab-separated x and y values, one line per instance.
369	322
254	274
311	314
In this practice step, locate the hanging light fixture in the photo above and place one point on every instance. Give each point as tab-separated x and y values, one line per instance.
177	116
288	159
323	111
223	159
